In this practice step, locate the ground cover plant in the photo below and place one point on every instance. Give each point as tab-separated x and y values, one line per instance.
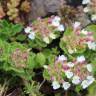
53	55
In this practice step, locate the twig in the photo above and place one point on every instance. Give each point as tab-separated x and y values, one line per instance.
42	83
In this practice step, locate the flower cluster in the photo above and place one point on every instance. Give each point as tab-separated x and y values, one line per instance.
19	58
66	73
78	40
90	8
48	29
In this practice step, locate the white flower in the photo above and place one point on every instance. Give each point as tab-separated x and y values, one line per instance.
90	79
31	36
80	59
55	85
45	66
89	67
70	51
69	74
28	29
76	25
51	35
56	21
62	58
93	17
76	80
86	9
70	64
57	18
66	85
87	82
84	84
61	27
84	32
86	1
46	40
91	45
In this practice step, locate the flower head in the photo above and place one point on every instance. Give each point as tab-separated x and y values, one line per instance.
46	40
70	64
52	35
91	45
61	27
84	32
76	25
69	74
85	84
28	29
70	51
90	79
80	59
86	2
89	67
55	85
62	58
31	36
77	72
45	66
56	21
93	17
76	80
66	85
86	9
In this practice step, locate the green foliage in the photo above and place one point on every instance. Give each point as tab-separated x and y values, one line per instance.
18	58
92	90
46	75
92	28
21	37
78	89
70	42
37	42
40	59
15	58
8	30
32	89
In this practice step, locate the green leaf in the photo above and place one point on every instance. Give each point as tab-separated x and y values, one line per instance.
8	30
4	23
40	59
92	90
68	31
17	28
46	75
92	28
47	52
21	37
78	88
31	61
